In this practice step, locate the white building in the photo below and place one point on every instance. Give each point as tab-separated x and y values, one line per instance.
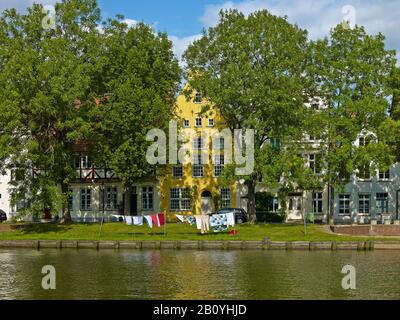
5	204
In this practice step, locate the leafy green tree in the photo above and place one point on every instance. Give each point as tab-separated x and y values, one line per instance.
351	72
140	78
253	70
44	75
80	83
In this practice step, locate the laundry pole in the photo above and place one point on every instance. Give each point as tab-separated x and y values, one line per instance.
165	225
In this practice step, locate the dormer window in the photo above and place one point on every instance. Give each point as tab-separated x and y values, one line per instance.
211	122
364	141
186	123
199	122
198	98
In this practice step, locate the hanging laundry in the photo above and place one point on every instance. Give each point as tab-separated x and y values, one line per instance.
128	220
156	221
137	221
205	223
149	221
219	222
161	218
198	222
230	218
191	220
180	217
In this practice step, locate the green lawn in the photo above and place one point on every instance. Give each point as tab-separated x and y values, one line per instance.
120	231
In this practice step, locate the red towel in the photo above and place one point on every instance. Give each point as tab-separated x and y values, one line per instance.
161	218
156	222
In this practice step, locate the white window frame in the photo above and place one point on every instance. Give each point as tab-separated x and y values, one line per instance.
199	122
147	198
382	202
186	123
177	176
198	143
219	163
226	198
317	202
384	175
364	173
180	200
211	122
86	199
364	204
313	164
110	198
344	204
197	165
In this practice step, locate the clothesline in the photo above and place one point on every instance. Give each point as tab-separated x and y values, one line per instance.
154	220
217	222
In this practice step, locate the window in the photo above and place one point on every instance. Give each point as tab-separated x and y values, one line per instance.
186	123
147	198
198	98
363	173
17	174
211	122
382	203
180	199
273	205
315	163
384	175
86	199
364	201
344	204
83	162
295	204
110	198
177	172
198	144
364	141
317	202
219	162
219	143
198	167
86	162
199	122
225	198
275	143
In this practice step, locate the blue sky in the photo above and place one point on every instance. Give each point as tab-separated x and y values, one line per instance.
184	20
178	17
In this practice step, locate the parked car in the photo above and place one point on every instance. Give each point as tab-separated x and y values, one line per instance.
240	214
3	216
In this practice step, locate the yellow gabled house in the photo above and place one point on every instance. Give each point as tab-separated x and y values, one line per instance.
195	187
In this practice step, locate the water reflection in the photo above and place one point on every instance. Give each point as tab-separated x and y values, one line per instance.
89	274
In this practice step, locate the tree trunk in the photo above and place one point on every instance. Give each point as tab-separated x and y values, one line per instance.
65	210
251	204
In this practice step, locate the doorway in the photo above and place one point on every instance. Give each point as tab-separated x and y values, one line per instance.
295	207
133	198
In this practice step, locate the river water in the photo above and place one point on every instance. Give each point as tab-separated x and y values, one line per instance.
91	274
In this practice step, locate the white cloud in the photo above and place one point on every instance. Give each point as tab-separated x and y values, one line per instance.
180	44
319	16
22	5
130	22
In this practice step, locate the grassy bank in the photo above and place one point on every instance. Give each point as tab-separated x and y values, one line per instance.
120	231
